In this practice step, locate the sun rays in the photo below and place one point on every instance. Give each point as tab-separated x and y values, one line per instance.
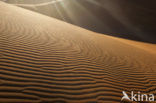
97	15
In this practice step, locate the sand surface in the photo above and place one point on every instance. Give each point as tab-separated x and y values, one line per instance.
131	19
46	60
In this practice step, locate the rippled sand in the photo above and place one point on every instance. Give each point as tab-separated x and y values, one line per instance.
46	60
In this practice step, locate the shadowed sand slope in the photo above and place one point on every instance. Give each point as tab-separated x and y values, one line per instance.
46	60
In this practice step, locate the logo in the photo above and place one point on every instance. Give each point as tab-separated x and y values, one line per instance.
137	97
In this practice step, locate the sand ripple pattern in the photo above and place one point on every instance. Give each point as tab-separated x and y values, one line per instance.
44	60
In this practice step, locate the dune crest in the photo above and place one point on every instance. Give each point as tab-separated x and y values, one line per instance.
46	60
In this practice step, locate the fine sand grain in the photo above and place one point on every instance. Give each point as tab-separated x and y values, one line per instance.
46	60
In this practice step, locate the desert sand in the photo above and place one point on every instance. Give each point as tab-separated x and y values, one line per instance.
130	19
46	60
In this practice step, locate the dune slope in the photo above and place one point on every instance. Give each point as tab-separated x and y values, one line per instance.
129	19
46	60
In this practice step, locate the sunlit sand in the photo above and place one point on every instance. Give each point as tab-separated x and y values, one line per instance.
46	60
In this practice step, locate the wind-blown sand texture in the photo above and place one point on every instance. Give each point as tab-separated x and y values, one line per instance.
46	60
131	19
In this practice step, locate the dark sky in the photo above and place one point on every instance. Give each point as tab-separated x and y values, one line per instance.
131	19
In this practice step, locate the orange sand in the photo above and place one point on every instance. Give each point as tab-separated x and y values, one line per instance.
46	60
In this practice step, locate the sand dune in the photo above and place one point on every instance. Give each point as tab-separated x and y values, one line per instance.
131	19
46	60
